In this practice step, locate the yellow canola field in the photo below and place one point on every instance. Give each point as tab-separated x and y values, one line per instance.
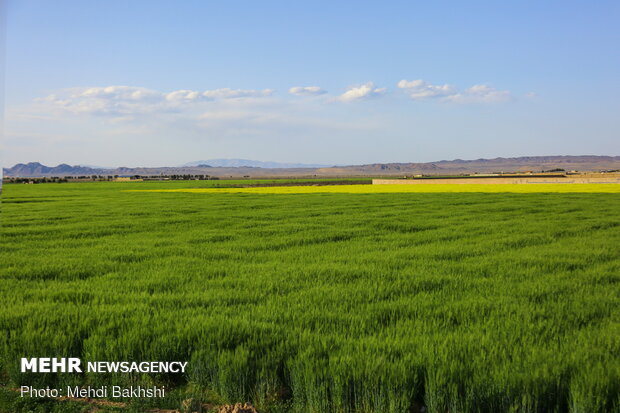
382	189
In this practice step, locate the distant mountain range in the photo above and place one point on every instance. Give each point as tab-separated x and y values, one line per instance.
237	163
33	169
241	167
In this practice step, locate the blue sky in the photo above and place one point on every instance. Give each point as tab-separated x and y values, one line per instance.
164	83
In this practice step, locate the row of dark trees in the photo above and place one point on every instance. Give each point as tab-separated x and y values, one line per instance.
57	179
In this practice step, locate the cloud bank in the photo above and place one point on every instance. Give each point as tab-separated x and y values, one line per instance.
421	90
127	101
132	100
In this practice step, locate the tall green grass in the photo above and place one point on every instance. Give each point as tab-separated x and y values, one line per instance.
458	302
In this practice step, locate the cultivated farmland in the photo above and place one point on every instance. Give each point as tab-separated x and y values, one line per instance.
320	299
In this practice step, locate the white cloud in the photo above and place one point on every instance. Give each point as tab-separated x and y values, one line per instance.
226	93
127	93
480	94
123	101
364	91
419	89
182	96
306	91
114	100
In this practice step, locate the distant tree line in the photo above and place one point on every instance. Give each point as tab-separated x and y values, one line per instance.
94	178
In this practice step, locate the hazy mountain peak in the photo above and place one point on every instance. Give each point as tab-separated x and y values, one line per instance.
236	163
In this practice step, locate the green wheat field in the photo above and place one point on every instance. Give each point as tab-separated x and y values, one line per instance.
316	301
